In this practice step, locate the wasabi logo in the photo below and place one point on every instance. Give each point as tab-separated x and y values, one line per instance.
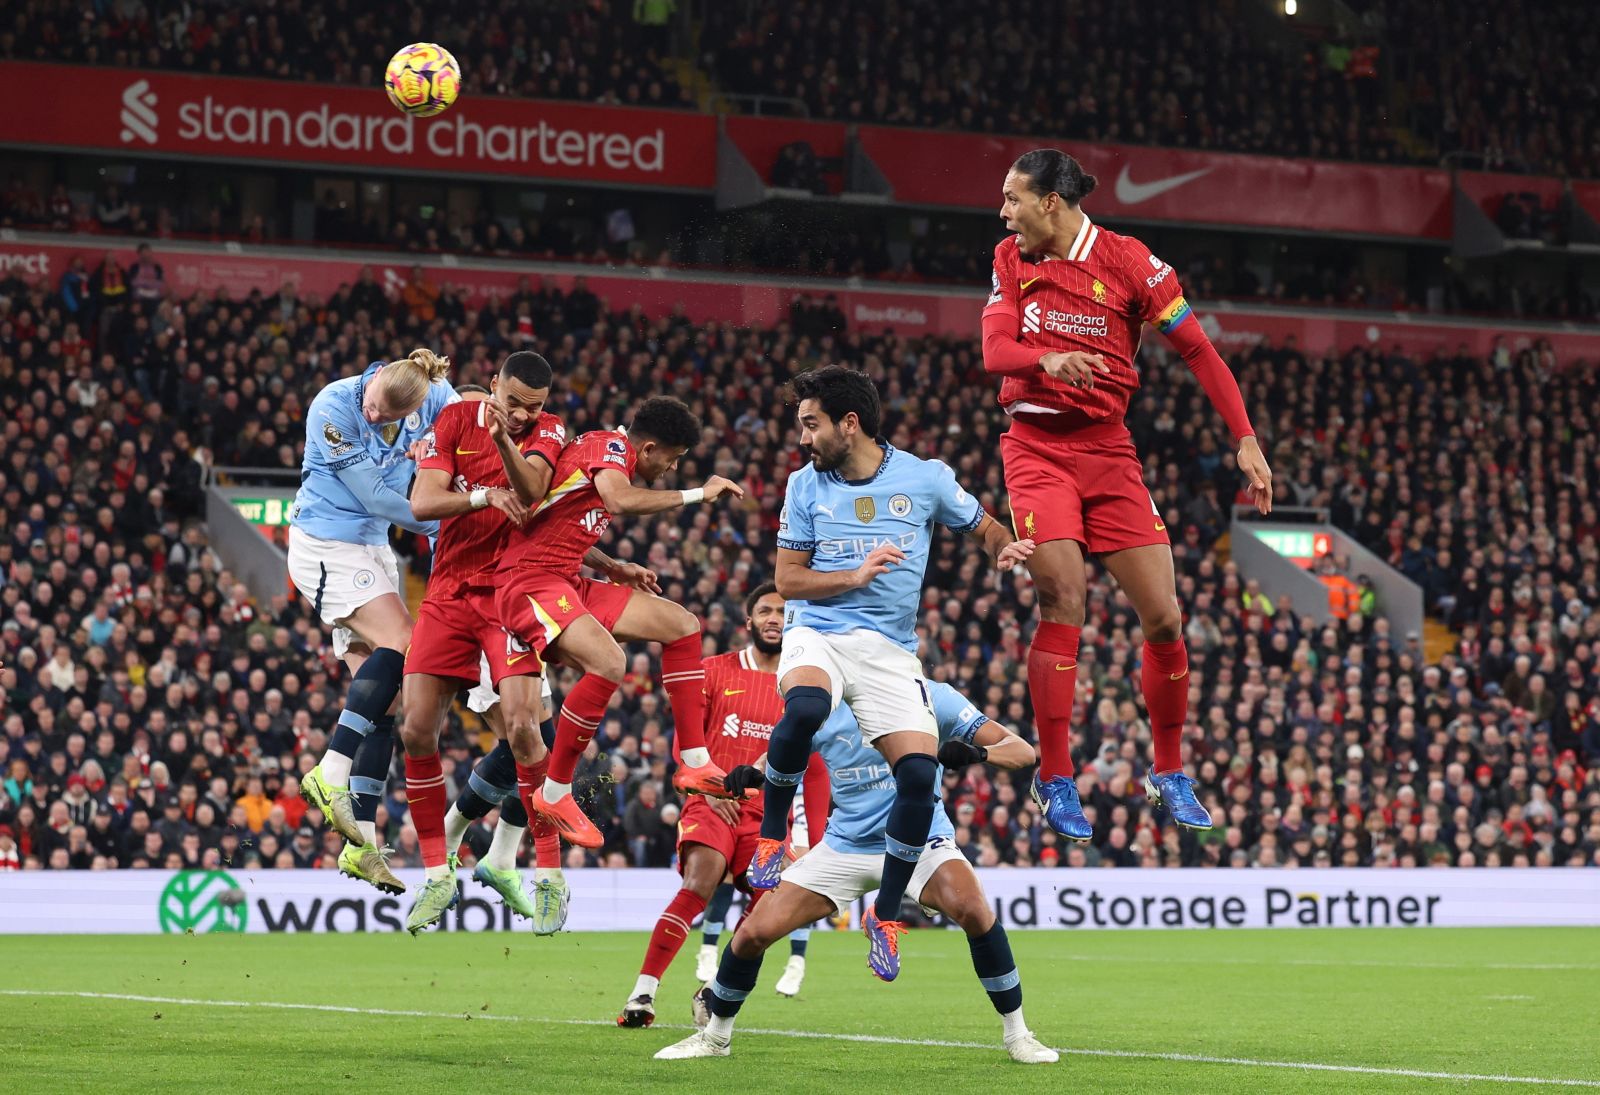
198	902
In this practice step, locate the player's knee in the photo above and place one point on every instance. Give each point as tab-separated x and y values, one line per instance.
1165	624
681	624
805	709
1060	599
751	940
972	916
374	688
915	777
417	736
610	663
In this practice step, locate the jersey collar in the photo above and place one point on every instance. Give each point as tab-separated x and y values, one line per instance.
1083	243
888	454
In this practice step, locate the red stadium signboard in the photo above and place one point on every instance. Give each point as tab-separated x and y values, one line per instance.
282	122
1162	184
192	267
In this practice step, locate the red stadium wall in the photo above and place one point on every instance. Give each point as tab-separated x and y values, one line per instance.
760	302
151	113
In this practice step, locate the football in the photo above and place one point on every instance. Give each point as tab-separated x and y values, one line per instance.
422	79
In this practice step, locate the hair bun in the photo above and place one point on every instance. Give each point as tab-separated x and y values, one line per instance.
1087	186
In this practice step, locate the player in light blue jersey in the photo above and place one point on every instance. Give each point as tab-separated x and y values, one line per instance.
853	544
847	864
360	433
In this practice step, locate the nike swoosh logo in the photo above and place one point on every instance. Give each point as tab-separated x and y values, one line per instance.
1131	193
689	828
1023	288
734	691
1063	668
468	452
1178	676
1160	527
514	661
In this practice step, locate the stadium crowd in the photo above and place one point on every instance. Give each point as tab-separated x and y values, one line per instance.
1515	89
565	50
156	712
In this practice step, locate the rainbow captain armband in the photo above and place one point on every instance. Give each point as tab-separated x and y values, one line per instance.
1172	315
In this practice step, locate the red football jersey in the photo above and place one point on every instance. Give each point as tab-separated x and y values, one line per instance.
1095	300
470	544
742	707
571	519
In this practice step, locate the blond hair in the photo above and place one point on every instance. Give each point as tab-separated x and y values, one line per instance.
405	382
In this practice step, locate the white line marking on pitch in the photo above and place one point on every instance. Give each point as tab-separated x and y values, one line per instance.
1127	1054
1508	997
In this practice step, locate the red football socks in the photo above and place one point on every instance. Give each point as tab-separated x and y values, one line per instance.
581	713
685	679
428	804
1053	684
546	841
670	932
1165	679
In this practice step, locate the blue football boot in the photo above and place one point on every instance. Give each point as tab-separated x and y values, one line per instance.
1175	791
1058	798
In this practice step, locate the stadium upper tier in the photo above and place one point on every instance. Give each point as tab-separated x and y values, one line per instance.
1515	90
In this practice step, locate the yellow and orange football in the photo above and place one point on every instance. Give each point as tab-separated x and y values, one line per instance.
422	79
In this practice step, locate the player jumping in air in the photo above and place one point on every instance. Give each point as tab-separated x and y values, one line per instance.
543	601
352	488
848	862
717	837
1062	327
461	482
853	544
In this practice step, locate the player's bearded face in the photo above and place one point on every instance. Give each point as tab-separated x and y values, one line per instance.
766	624
1022	211
823	439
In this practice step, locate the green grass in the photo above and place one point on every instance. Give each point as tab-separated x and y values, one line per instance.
1501	1002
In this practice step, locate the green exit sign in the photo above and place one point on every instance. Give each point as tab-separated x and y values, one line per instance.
267	512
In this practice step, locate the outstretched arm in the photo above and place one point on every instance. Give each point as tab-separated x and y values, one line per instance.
621	497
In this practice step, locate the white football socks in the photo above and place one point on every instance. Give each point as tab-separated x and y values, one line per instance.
502	854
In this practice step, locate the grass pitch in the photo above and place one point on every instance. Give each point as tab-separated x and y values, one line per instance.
1362	1010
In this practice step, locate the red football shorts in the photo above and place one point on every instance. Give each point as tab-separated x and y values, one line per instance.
538	605
701	824
1085	485
452	632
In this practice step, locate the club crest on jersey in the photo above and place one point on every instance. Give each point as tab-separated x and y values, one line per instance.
1099	290
563	603
413	420
866	509
364	579
900	505
1027	525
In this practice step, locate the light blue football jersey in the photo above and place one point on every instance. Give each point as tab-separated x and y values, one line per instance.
861	781
353	483
841	522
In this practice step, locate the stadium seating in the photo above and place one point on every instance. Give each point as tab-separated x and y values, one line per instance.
157	712
1512	89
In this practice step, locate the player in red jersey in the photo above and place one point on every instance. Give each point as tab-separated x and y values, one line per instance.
462	483
717	837
1062	326
544	602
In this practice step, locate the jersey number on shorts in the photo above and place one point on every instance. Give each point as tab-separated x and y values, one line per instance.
922	686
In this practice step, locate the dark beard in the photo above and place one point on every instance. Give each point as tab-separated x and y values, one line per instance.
764	647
